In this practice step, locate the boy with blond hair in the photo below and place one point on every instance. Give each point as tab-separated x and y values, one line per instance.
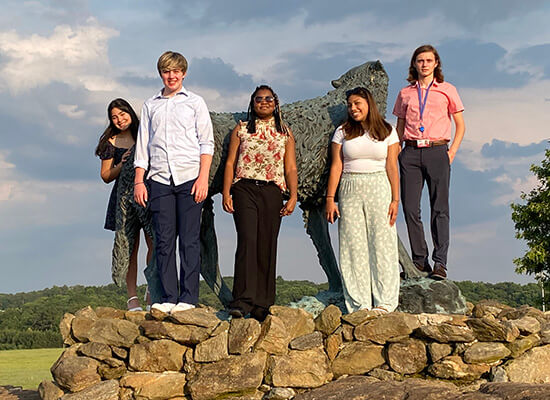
175	143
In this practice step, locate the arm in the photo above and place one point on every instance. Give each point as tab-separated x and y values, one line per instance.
291	175
459	135
205	137
336	167
393	176
229	172
141	158
400	128
200	187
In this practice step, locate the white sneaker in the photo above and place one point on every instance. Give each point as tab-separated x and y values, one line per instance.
182	307
163	307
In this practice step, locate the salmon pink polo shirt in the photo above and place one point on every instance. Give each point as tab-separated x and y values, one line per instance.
443	101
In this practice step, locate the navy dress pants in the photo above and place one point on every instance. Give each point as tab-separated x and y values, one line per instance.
430	165
176	216
257	219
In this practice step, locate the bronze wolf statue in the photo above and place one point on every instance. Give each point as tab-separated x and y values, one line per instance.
313	122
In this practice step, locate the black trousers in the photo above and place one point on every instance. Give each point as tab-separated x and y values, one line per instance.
430	165
176	215
257	221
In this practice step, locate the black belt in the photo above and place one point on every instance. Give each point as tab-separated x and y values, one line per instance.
257	182
413	143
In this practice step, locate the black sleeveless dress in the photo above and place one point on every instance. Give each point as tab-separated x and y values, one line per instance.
116	154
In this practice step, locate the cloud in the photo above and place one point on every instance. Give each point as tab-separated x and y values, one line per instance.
74	56
71	111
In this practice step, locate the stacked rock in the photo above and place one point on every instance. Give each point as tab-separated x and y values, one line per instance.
193	354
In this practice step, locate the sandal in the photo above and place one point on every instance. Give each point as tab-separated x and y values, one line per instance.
378	310
138	308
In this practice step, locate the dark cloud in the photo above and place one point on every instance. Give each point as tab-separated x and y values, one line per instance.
536	56
467	63
473	14
216	74
38	136
498	148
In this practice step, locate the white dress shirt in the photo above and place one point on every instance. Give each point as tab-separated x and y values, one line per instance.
173	133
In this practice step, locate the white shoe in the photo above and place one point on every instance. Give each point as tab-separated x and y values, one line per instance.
182	307
163	307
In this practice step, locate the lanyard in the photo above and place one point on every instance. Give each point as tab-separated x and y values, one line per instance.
422	104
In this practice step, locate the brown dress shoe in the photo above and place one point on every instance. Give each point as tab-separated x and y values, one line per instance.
439	273
423	268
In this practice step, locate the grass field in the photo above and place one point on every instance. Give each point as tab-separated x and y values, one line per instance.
26	368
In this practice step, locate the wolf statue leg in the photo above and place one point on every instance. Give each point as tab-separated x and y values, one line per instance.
210	268
317	228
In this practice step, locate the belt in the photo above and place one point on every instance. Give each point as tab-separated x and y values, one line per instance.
257	182
414	143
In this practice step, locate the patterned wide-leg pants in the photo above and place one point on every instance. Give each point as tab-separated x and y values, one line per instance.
369	260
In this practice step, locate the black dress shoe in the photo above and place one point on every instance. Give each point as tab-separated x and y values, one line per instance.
236	313
259	313
439	273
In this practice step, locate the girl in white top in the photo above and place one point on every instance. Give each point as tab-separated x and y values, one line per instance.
364	169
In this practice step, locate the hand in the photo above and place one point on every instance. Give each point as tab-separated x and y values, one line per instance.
451	155
125	156
140	194
227	203
331	211
392	211
288	208
200	189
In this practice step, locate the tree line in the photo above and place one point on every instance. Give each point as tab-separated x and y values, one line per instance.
31	320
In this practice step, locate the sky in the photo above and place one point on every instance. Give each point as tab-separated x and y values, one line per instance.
63	61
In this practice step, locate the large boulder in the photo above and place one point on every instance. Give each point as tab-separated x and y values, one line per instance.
408	356
104	390
531	367
446	333
298	322
357	358
243	334
492	330
213	349
183	334
114	332
151	385
236	375
76	373
486	353
452	367
274	337
300	369
386	327
429	296
157	356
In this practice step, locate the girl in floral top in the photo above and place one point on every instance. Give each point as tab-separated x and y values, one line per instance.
260	166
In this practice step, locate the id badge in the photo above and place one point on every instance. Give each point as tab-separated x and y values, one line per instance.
422	143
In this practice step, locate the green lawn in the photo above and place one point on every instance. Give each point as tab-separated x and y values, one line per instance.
26	368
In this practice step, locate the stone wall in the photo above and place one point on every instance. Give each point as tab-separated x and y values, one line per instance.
193	354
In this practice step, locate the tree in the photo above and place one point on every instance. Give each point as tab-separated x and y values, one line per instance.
532	223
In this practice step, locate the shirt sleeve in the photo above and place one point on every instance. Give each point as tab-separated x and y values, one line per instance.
108	152
338	136
393	138
399	109
455	103
141	159
205	132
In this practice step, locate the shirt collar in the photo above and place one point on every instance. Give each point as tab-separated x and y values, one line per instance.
183	91
435	84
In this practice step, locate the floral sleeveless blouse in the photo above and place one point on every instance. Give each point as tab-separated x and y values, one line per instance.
261	154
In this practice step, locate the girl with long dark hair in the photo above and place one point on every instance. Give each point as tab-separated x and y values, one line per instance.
116	151
364	167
